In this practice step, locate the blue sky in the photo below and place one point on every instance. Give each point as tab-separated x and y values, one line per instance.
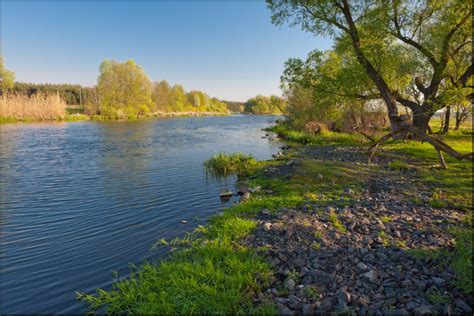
228	49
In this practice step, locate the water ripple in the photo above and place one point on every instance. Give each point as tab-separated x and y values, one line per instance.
81	200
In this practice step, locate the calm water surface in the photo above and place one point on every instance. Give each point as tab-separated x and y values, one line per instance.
81	200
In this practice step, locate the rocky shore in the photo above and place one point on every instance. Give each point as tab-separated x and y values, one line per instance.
373	256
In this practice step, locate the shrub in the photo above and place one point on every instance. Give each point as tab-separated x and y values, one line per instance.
223	165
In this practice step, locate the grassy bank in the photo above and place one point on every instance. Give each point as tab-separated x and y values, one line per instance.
215	270
209	271
450	187
77	117
325	138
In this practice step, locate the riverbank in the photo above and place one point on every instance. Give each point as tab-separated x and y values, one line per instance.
323	231
77	117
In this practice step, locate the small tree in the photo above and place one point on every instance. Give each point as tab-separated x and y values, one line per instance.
124	89
7	77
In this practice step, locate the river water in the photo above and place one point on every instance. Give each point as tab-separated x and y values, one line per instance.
82	200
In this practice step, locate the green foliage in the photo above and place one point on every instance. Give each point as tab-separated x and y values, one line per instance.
398	165
213	276
336	222
463	259
124	89
236	107
373	54
175	99
73	94
286	132
437	298
222	165
7	77
265	105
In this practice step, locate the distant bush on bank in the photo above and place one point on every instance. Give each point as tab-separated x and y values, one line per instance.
34	107
222	165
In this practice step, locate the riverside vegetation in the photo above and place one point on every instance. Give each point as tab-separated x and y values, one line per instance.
323	231
123	92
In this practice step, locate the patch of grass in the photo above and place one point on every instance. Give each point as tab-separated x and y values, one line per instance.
437	298
223	165
337	224
213	274
317	234
316	246
462	261
310	292
385	219
294	275
327	138
77	117
304	183
398	165
420	253
384	237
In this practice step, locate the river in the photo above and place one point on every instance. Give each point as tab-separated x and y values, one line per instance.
82	200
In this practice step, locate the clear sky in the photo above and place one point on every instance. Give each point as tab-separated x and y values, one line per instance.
228	49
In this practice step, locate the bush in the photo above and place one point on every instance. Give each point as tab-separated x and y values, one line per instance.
223	165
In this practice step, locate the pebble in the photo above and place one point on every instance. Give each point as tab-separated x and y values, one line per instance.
360	270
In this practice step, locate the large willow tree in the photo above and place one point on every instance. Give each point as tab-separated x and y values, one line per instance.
384	34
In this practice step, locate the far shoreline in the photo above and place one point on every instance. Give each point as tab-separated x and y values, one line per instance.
79	117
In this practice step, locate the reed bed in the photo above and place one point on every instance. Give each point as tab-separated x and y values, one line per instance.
35	107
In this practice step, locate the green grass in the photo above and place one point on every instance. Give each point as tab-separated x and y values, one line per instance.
462	261
214	275
398	165
437	298
77	117
327	138
337	224
223	165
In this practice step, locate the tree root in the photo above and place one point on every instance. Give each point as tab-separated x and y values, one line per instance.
437	143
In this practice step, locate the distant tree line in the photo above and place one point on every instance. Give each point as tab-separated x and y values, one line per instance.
73	94
123	90
265	105
234	106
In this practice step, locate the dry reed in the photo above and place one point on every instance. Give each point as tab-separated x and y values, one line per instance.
35	107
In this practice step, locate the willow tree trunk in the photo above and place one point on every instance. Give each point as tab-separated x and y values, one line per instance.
458	120
421	118
447	118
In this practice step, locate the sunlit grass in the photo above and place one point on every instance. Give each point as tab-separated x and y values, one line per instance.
213	275
327	138
222	165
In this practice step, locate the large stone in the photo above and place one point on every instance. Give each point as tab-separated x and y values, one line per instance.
308	309
299	262
267	227
326	305
245	196
463	306
289	284
362	266
283	310
343	297
438	281
397	312
295	302
424	310
371	275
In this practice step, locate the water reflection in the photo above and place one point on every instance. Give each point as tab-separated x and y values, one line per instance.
80	200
